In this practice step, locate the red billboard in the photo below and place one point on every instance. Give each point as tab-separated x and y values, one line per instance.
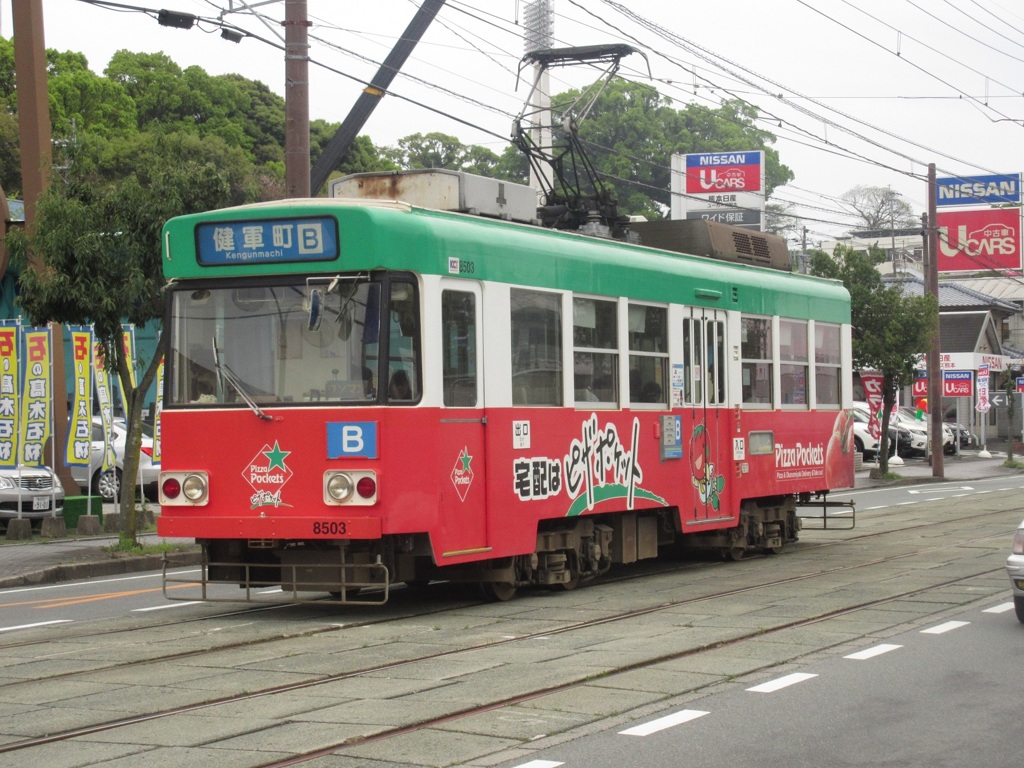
980	239
713	172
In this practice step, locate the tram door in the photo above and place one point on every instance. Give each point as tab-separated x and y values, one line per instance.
706	415
461	449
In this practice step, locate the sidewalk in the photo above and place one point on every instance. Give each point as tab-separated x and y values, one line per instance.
968	465
50	561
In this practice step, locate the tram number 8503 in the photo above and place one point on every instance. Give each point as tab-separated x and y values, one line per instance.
329	528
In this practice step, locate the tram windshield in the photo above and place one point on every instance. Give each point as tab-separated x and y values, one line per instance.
257	344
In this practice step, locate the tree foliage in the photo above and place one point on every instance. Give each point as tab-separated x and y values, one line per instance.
102	249
890	331
632	132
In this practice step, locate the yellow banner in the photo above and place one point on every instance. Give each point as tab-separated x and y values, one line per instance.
158	409
103	397
79	443
8	395
35	404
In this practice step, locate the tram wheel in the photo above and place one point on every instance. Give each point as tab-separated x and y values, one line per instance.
735	553
498	591
775	550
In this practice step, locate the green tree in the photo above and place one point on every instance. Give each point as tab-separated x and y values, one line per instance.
101	246
890	330
632	131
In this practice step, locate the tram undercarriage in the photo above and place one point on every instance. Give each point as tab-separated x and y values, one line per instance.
569	551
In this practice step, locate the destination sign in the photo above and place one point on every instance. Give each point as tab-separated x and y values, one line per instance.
978	190
245	243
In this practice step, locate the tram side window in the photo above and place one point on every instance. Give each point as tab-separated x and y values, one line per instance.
756	361
693	361
827	363
536	347
648	354
595	351
458	323
403	381
716	356
794	362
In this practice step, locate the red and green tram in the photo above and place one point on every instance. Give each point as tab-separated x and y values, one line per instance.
364	392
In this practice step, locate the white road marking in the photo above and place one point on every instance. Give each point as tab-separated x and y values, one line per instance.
39	624
942	490
1003	608
941	628
540	764
870	653
662	723
782	682
164	607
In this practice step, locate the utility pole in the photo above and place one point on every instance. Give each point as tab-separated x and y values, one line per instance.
36	158
934	351
371	96
296	81
539	29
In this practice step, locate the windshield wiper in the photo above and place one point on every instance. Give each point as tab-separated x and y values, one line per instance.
226	374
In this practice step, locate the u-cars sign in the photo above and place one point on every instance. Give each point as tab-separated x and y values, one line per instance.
975	240
712	172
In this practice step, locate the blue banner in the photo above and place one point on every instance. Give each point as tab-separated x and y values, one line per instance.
978	190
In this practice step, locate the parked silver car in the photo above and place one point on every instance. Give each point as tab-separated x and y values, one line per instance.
35	489
1015	568
93	480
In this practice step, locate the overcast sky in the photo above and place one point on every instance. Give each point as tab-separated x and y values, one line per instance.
858	92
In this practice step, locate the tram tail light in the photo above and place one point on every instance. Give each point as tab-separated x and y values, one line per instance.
350	488
184	489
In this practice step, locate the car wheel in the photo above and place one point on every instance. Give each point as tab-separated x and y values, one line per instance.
1018	606
858	445
107	484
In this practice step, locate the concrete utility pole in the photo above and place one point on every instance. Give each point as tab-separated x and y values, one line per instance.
296	81
36	159
368	100
539	34
934	351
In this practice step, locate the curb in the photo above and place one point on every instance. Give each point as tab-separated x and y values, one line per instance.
110	567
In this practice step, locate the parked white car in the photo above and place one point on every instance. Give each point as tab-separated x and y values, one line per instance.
93	480
863	442
31	493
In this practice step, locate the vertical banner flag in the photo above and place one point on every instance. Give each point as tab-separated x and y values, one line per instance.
106	406
35	405
983	405
9	394
872	383
79	445
157	410
128	339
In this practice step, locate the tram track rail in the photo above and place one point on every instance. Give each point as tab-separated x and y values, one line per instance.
580	626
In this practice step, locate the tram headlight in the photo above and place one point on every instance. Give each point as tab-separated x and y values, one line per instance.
340	487
194	488
184	488
350	487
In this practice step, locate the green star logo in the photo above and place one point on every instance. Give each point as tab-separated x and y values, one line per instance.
466	458
276	456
